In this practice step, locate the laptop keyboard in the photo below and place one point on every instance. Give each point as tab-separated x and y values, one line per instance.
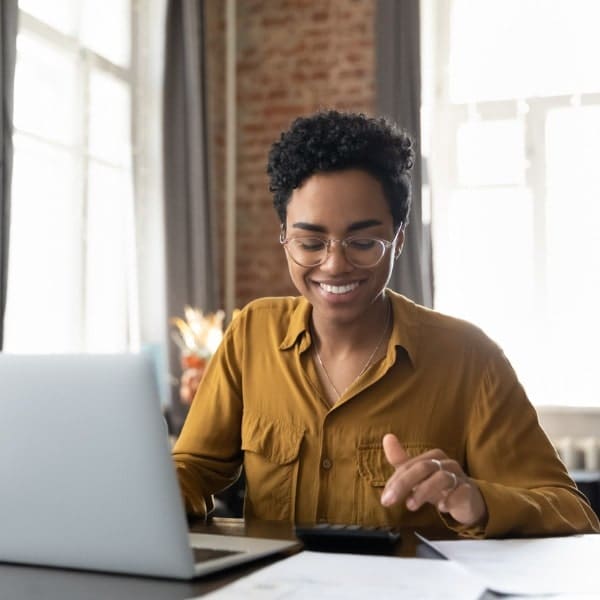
205	554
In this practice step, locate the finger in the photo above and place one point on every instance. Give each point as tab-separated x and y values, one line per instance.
434	490
394	452
457	502
428	456
407	478
409	471
465	504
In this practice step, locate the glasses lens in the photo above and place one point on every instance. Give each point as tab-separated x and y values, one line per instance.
364	252
307	252
361	252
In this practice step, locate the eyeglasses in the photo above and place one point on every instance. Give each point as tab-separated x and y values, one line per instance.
361	252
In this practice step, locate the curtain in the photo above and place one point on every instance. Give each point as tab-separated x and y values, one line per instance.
398	84
189	212
8	50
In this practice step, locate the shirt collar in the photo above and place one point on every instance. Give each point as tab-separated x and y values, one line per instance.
404	334
298	326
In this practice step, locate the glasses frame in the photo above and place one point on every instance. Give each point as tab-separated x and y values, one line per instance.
284	241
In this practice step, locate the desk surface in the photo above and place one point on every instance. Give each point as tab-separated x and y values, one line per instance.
20	582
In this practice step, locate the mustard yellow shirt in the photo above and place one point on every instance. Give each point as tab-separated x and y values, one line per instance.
442	384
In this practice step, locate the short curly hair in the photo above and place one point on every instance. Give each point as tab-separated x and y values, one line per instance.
331	141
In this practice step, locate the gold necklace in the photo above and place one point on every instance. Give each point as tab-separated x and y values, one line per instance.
366	365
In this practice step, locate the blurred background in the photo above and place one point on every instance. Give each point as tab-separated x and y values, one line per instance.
138	134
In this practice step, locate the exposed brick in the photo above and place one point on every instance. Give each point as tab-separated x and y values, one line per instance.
294	57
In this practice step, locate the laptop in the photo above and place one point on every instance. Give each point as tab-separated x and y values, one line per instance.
86	476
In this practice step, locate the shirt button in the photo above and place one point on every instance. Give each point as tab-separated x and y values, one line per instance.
326	464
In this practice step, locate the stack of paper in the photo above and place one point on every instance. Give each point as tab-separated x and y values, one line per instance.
324	576
551	568
541	566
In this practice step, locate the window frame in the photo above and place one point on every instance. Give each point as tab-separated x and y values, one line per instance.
446	117
87	62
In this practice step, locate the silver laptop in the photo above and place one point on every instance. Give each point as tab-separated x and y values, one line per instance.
86	477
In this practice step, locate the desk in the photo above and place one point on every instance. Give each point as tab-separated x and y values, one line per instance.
19	582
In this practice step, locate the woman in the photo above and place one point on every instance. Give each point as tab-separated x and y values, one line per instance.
349	403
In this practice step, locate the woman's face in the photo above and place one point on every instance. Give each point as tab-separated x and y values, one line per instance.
335	206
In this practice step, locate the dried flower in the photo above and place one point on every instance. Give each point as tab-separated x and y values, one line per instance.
198	335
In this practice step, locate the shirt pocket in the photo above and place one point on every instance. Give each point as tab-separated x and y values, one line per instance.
373	473
271	455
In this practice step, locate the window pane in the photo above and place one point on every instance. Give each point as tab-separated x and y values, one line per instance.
59	14
105	29
109	258
537	290
491	153
44	296
520	48
573	257
110	121
485	272
103	26
46	81
71	276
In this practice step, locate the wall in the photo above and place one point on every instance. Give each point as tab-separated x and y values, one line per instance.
293	57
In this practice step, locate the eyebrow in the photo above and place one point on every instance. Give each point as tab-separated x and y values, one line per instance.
352	227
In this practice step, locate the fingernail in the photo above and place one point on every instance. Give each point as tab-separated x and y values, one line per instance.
387	497
411	503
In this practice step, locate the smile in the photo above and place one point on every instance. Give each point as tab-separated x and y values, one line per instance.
339	289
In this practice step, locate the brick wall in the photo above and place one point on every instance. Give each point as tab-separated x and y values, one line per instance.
293	57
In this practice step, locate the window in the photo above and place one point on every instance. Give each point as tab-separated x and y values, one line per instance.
513	111
74	252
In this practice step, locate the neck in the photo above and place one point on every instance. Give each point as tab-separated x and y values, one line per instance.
339	337
351	358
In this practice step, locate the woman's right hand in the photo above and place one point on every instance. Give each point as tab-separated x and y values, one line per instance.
433	478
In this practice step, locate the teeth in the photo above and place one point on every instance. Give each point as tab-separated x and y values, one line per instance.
338	289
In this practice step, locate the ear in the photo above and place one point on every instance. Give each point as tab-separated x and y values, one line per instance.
399	244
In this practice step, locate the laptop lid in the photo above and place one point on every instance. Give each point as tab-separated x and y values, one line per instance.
86	472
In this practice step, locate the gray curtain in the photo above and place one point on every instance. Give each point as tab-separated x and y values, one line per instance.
8	51
189	212
399	97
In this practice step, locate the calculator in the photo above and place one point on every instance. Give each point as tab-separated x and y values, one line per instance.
354	539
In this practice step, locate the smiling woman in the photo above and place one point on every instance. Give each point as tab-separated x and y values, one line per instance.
343	205
350	403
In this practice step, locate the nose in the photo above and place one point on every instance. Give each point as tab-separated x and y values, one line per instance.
336	261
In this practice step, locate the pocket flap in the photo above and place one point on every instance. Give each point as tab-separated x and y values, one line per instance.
373	465
278	442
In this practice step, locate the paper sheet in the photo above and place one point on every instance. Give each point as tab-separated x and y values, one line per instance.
311	575
556	565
